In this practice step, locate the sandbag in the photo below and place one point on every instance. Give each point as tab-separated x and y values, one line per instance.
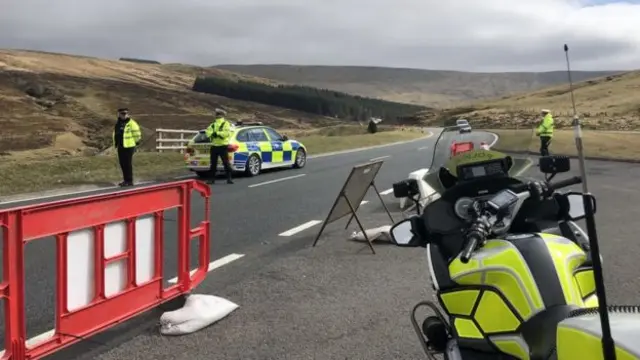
198	312
379	233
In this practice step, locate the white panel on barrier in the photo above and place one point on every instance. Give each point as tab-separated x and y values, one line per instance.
115	239
115	243
80	268
145	249
115	277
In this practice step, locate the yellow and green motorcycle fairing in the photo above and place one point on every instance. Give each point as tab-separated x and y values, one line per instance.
511	295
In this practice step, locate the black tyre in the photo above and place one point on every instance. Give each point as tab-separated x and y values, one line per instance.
301	159
253	166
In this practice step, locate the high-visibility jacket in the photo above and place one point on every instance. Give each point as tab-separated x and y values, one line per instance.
131	136
546	126
222	128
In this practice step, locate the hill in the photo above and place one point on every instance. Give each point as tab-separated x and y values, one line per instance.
63	103
433	88
605	103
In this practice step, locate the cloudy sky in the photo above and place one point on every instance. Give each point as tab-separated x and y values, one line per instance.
474	35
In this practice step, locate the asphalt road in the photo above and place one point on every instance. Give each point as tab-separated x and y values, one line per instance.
246	217
337	301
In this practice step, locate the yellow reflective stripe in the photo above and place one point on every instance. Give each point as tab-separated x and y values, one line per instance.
264	146
287	146
242	147
576	344
586	282
566	256
467	329
459	302
512	345
493	315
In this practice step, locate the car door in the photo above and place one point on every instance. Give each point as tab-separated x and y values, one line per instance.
261	144
278	155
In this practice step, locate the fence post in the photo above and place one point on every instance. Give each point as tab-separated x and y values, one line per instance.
181	142
159	137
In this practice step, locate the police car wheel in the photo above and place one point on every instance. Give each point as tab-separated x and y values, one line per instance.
301	159
254	164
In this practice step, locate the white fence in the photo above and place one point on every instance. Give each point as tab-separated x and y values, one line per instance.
173	139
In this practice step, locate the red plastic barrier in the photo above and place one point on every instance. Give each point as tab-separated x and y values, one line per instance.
91	215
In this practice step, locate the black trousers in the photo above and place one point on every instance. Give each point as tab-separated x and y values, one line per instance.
544	145
223	153
125	158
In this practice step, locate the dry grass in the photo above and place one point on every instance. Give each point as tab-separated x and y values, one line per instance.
597	144
30	174
44	95
606	103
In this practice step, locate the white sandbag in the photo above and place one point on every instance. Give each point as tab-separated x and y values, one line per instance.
198	312
379	233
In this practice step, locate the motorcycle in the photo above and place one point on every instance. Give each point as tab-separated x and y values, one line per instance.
513	272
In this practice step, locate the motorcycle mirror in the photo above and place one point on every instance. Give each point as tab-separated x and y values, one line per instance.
554	164
402	234
576	205
406	188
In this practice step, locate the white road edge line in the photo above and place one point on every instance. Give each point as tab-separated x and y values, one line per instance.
334	153
72	193
386	192
300	228
495	140
213	265
380	158
277	180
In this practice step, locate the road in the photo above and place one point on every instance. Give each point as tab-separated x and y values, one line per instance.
249	217
246	217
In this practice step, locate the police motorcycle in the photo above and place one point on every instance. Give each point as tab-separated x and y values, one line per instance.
512	272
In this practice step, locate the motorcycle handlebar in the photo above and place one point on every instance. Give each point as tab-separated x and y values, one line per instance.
472	241
473	238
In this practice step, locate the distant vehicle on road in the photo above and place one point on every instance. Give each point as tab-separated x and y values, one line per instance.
463	125
252	148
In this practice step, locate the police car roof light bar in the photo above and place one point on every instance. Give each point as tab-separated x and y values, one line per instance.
608	345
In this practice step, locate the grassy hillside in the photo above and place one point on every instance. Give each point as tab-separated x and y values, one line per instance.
57	104
605	103
426	87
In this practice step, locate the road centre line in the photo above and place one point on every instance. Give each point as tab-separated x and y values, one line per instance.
380	158
277	180
299	228
423	148
363	202
386	192
214	265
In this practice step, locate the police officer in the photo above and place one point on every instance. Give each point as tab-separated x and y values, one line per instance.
545	132
219	132
126	137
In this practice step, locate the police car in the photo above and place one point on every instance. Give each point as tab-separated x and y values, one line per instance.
252	148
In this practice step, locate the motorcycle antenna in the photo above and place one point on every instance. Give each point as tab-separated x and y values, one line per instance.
608	345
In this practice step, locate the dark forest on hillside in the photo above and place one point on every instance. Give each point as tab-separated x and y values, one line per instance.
307	99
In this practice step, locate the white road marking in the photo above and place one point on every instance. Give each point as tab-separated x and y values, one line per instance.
213	265
36	340
277	180
430	134
495	140
300	228
386	192
72	193
423	148
363	202
380	158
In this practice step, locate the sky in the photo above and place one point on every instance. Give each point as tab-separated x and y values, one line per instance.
469	35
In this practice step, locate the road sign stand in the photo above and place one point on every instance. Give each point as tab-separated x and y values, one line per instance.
353	191
386	209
